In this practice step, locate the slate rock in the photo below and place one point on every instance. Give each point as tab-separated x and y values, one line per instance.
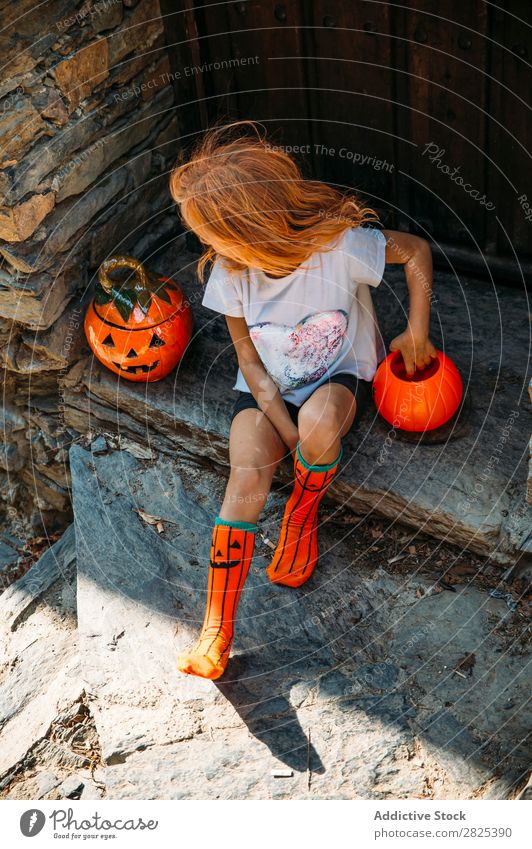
39	651
71	787
99	445
45	783
366	687
8	556
90	791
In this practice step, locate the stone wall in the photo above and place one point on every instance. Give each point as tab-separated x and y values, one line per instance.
88	134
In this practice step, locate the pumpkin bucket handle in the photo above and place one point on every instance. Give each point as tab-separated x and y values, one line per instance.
115	262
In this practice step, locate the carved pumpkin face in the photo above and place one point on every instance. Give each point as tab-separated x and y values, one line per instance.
150	343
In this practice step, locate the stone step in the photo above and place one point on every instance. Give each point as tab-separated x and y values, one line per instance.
39	654
131	584
353	675
470	491
355	658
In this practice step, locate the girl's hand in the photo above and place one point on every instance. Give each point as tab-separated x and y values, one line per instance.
417	350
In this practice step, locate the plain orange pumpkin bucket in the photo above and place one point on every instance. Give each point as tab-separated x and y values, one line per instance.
424	401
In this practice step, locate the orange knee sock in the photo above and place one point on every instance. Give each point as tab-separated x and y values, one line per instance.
231	552
297	550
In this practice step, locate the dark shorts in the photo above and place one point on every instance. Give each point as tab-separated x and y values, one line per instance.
361	389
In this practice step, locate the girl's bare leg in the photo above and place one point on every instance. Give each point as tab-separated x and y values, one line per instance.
255	450
323	419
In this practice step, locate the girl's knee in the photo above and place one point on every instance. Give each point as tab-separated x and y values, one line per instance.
250	482
321	426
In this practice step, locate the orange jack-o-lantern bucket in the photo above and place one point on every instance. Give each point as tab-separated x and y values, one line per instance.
424	401
138	324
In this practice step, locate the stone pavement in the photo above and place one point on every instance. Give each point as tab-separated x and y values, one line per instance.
364	683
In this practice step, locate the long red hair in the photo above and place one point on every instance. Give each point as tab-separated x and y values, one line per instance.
249	203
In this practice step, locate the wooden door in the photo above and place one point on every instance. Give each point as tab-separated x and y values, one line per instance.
422	107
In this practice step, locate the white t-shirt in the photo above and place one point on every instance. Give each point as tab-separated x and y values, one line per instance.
313	323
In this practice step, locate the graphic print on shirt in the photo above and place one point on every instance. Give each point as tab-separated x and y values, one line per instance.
297	355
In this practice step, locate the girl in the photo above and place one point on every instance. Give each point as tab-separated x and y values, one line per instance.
293	263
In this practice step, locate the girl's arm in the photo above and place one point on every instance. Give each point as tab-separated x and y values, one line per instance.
415	254
263	388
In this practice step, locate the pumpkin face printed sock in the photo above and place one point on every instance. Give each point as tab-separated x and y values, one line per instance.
230	557
297	550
